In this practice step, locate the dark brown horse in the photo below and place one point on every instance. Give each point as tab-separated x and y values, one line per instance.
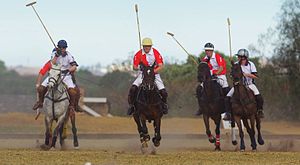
148	106
244	108
211	101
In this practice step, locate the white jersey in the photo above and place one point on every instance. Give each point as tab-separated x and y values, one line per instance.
66	61
249	68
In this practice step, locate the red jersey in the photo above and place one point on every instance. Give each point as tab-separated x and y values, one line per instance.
45	68
215	62
140	57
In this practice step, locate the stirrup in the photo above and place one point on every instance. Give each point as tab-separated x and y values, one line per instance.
198	113
165	108
260	113
227	117
130	110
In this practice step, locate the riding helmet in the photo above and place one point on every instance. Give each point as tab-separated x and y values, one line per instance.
243	53
62	44
209	46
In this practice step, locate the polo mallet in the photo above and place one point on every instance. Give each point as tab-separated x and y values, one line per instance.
172	35
31	4
229	34
233	136
38	112
138	24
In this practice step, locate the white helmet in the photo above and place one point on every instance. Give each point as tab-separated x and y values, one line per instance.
243	53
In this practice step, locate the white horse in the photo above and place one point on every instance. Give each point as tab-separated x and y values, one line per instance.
56	108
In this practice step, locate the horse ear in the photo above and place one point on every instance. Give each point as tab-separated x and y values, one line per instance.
142	66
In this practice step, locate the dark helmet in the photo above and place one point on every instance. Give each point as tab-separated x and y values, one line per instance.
243	53
62	44
209	46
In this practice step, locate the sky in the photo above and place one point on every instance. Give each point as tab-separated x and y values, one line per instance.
103	31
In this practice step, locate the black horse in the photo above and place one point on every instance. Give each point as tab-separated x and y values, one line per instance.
211	100
244	108
148	107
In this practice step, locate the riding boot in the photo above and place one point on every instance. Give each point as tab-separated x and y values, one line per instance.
41	95
259	104
164	95
72	93
198	95
225	91
228	109
131	99
77	109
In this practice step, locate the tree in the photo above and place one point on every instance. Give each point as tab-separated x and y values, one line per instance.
2	66
287	52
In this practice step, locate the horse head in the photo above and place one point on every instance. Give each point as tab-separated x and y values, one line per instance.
54	75
236	73
148	76
203	72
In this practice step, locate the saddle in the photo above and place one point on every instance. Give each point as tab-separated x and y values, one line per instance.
148	97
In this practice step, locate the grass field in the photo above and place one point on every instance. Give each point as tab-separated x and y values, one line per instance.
116	150
111	158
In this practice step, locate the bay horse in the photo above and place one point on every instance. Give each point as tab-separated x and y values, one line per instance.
211	100
244	108
56	109
148	107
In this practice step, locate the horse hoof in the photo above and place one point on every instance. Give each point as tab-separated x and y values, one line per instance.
146	138
213	140
218	148
76	148
153	150
144	145
261	142
45	147
254	150
242	150
156	144
76	144
234	142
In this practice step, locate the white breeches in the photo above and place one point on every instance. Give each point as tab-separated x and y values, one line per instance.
67	80
222	80
251	86
158	81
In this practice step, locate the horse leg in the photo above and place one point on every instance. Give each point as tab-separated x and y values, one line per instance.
252	135
156	139
211	138
260	140
74	130
139	125
217	131
241	133
61	137
47	133
60	123
146	136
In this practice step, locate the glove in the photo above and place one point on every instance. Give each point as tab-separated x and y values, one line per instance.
214	76
58	52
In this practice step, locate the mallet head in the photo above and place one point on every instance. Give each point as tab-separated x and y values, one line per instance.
171	34
228	21
136	8
30	4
